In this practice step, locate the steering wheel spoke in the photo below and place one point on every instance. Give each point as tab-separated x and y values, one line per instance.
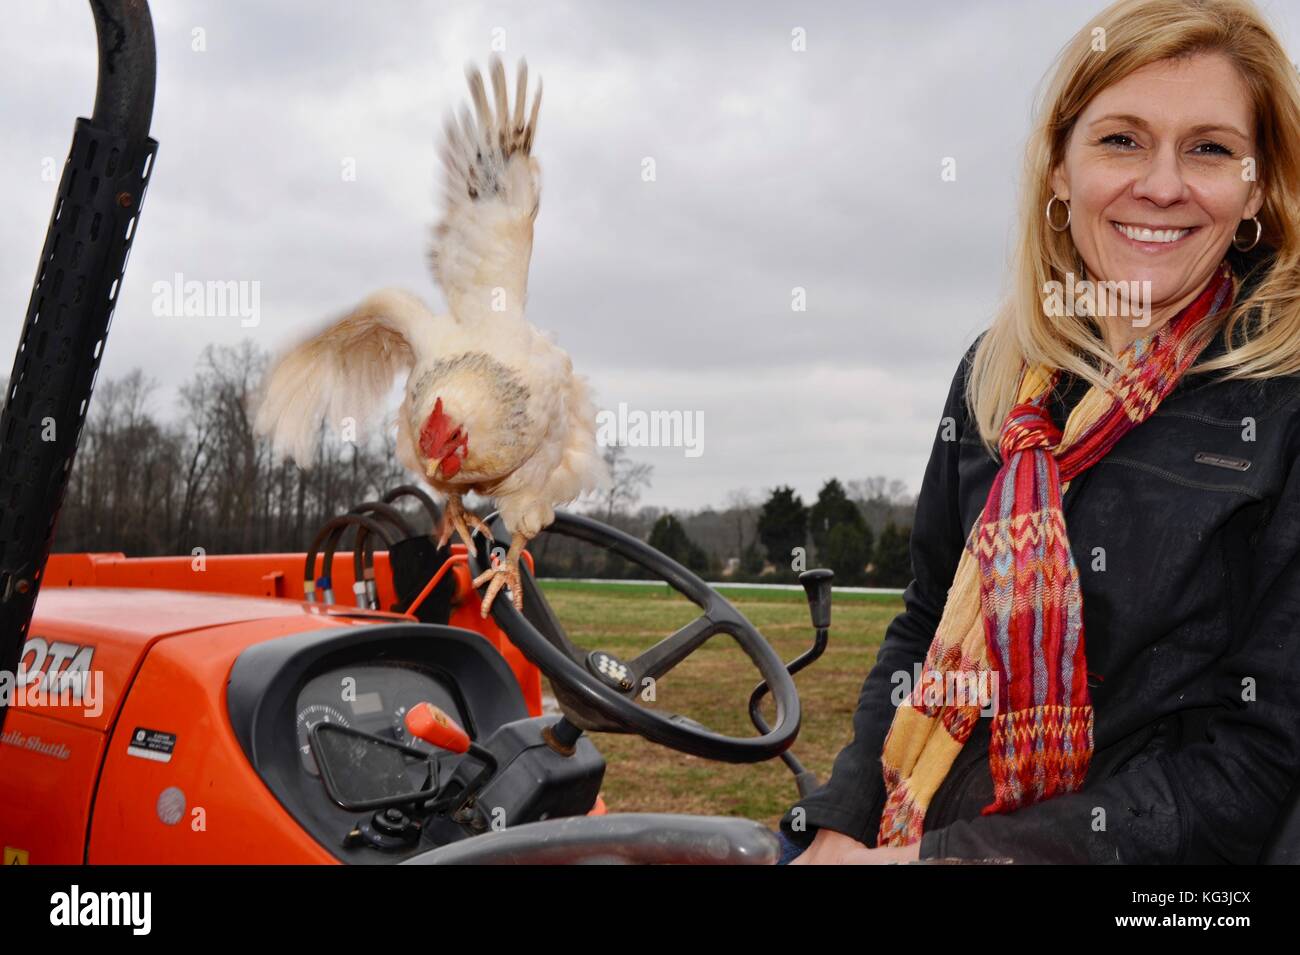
672	650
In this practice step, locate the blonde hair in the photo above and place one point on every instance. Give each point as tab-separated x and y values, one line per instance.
1262	330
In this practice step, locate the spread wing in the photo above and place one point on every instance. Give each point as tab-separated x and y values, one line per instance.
343	371
482	245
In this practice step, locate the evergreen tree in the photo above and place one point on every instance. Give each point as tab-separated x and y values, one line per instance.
782	526
893	558
848	549
669	537
833	507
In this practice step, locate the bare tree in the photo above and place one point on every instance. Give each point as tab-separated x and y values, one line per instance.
206	479
627	478
742	517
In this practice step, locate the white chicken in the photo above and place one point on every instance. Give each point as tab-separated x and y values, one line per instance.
491	404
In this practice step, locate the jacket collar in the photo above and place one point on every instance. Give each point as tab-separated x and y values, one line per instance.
1217	345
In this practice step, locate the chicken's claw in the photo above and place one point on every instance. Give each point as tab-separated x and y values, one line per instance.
504	572
460	520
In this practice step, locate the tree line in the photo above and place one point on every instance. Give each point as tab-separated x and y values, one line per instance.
148	484
861	531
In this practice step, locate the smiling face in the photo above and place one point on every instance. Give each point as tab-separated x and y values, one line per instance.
1161	149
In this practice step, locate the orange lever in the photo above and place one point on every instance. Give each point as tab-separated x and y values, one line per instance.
432	725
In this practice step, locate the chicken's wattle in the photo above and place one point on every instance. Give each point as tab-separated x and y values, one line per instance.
449	465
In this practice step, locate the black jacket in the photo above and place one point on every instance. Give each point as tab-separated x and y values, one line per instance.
1191	630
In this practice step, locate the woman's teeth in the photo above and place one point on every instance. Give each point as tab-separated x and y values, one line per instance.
1149	235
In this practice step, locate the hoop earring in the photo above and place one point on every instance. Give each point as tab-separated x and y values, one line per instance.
1259	231
1068	213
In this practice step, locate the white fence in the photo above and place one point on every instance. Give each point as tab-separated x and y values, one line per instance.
723	585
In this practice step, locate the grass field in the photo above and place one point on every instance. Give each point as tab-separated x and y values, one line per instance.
713	687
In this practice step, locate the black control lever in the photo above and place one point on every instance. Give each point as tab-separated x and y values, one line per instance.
817	585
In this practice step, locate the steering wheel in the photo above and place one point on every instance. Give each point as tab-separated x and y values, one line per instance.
597	691
619	838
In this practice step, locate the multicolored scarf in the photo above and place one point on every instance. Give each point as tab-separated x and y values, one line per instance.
1011	633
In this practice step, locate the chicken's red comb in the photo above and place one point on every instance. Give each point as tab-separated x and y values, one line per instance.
437	429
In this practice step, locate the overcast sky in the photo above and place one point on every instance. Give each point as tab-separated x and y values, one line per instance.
774	169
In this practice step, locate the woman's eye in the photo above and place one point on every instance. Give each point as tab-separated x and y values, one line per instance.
1217	147
1114	138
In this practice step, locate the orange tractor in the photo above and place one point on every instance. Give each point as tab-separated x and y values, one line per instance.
229	709
183	709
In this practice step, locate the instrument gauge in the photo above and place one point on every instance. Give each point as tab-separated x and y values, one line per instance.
308	717
403	735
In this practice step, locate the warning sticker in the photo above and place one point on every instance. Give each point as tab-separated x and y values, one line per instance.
152	744
15	856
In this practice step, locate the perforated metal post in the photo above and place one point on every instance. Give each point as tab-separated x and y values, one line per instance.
96	212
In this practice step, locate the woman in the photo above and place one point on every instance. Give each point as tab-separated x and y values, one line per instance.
1127	473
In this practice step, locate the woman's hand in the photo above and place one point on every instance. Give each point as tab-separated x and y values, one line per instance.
834	848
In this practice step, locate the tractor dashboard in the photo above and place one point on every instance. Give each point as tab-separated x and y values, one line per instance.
322	718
